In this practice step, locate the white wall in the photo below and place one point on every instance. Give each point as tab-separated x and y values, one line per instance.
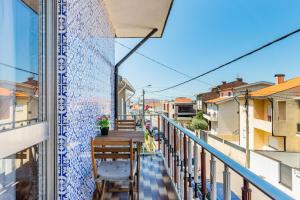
265	167
228	117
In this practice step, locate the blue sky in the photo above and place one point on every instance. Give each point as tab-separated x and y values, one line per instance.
202	34
19	41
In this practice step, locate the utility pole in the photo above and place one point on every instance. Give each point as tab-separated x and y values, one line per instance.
247	129
143	121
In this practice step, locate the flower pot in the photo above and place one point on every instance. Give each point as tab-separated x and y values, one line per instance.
104	130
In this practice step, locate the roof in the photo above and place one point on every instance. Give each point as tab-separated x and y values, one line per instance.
136	18
7	93
125	85
208	95
183	100
231	85
254	84
292	83
214	93
218	100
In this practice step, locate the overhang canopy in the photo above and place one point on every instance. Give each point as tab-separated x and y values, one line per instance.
136	18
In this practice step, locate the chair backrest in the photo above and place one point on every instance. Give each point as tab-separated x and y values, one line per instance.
126	125
111	150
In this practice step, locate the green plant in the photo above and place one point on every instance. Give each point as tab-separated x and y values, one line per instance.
198	124
103	121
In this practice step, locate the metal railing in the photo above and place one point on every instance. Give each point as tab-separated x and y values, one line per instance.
17	124
184	152
182	157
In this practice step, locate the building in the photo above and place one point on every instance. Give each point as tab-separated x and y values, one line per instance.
125	93
181	109
18	103
68	47
274	117
224	89
169	108
223	112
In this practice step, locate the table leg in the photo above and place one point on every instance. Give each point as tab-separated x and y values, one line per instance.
138	168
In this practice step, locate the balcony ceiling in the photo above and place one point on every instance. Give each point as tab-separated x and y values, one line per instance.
136	18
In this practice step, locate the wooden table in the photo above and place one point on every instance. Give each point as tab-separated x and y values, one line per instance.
137	138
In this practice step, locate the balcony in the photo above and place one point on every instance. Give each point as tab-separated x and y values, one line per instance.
211	116
183	166
263	125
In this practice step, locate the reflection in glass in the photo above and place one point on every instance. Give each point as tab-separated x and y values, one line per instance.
19	63
20	174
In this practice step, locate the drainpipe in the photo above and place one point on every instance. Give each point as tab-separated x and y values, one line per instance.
272	115
116	69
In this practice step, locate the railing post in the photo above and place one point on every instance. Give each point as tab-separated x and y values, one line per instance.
246	191
196	196
190	155
164	145
171	152
182	175
175	158
159	131
226	183
168	146
185	166
203	173
213	179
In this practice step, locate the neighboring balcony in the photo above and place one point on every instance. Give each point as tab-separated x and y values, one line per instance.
211	116
263	125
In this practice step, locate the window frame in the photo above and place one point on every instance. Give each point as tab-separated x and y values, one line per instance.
17	139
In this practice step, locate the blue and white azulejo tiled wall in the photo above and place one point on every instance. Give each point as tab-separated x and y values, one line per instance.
85	57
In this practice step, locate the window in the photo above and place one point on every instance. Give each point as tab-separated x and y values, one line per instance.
282	110
20	66
229	93
298	128
22	99
19	172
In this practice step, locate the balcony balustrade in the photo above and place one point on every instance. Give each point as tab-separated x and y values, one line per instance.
263	125
199	171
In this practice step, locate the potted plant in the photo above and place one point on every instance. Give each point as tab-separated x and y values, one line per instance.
103	123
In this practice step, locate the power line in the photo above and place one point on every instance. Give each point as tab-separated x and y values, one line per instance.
233	60
162	64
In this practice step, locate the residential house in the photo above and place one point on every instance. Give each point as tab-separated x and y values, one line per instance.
169	108
274	117
181	109
224	89
223	112
125	93
18	103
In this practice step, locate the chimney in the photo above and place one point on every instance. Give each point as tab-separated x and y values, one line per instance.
239	79
279	78
223	82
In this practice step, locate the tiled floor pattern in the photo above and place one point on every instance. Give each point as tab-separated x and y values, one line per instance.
155	184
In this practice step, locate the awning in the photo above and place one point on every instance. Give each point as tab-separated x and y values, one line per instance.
136	18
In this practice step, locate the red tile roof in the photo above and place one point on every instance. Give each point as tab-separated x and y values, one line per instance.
183	100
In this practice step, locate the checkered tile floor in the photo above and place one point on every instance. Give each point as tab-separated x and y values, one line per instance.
154	182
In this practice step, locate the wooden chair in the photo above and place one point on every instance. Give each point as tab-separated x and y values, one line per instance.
117	164
126	125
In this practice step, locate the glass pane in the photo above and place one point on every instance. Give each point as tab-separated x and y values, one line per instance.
19	63
21	174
